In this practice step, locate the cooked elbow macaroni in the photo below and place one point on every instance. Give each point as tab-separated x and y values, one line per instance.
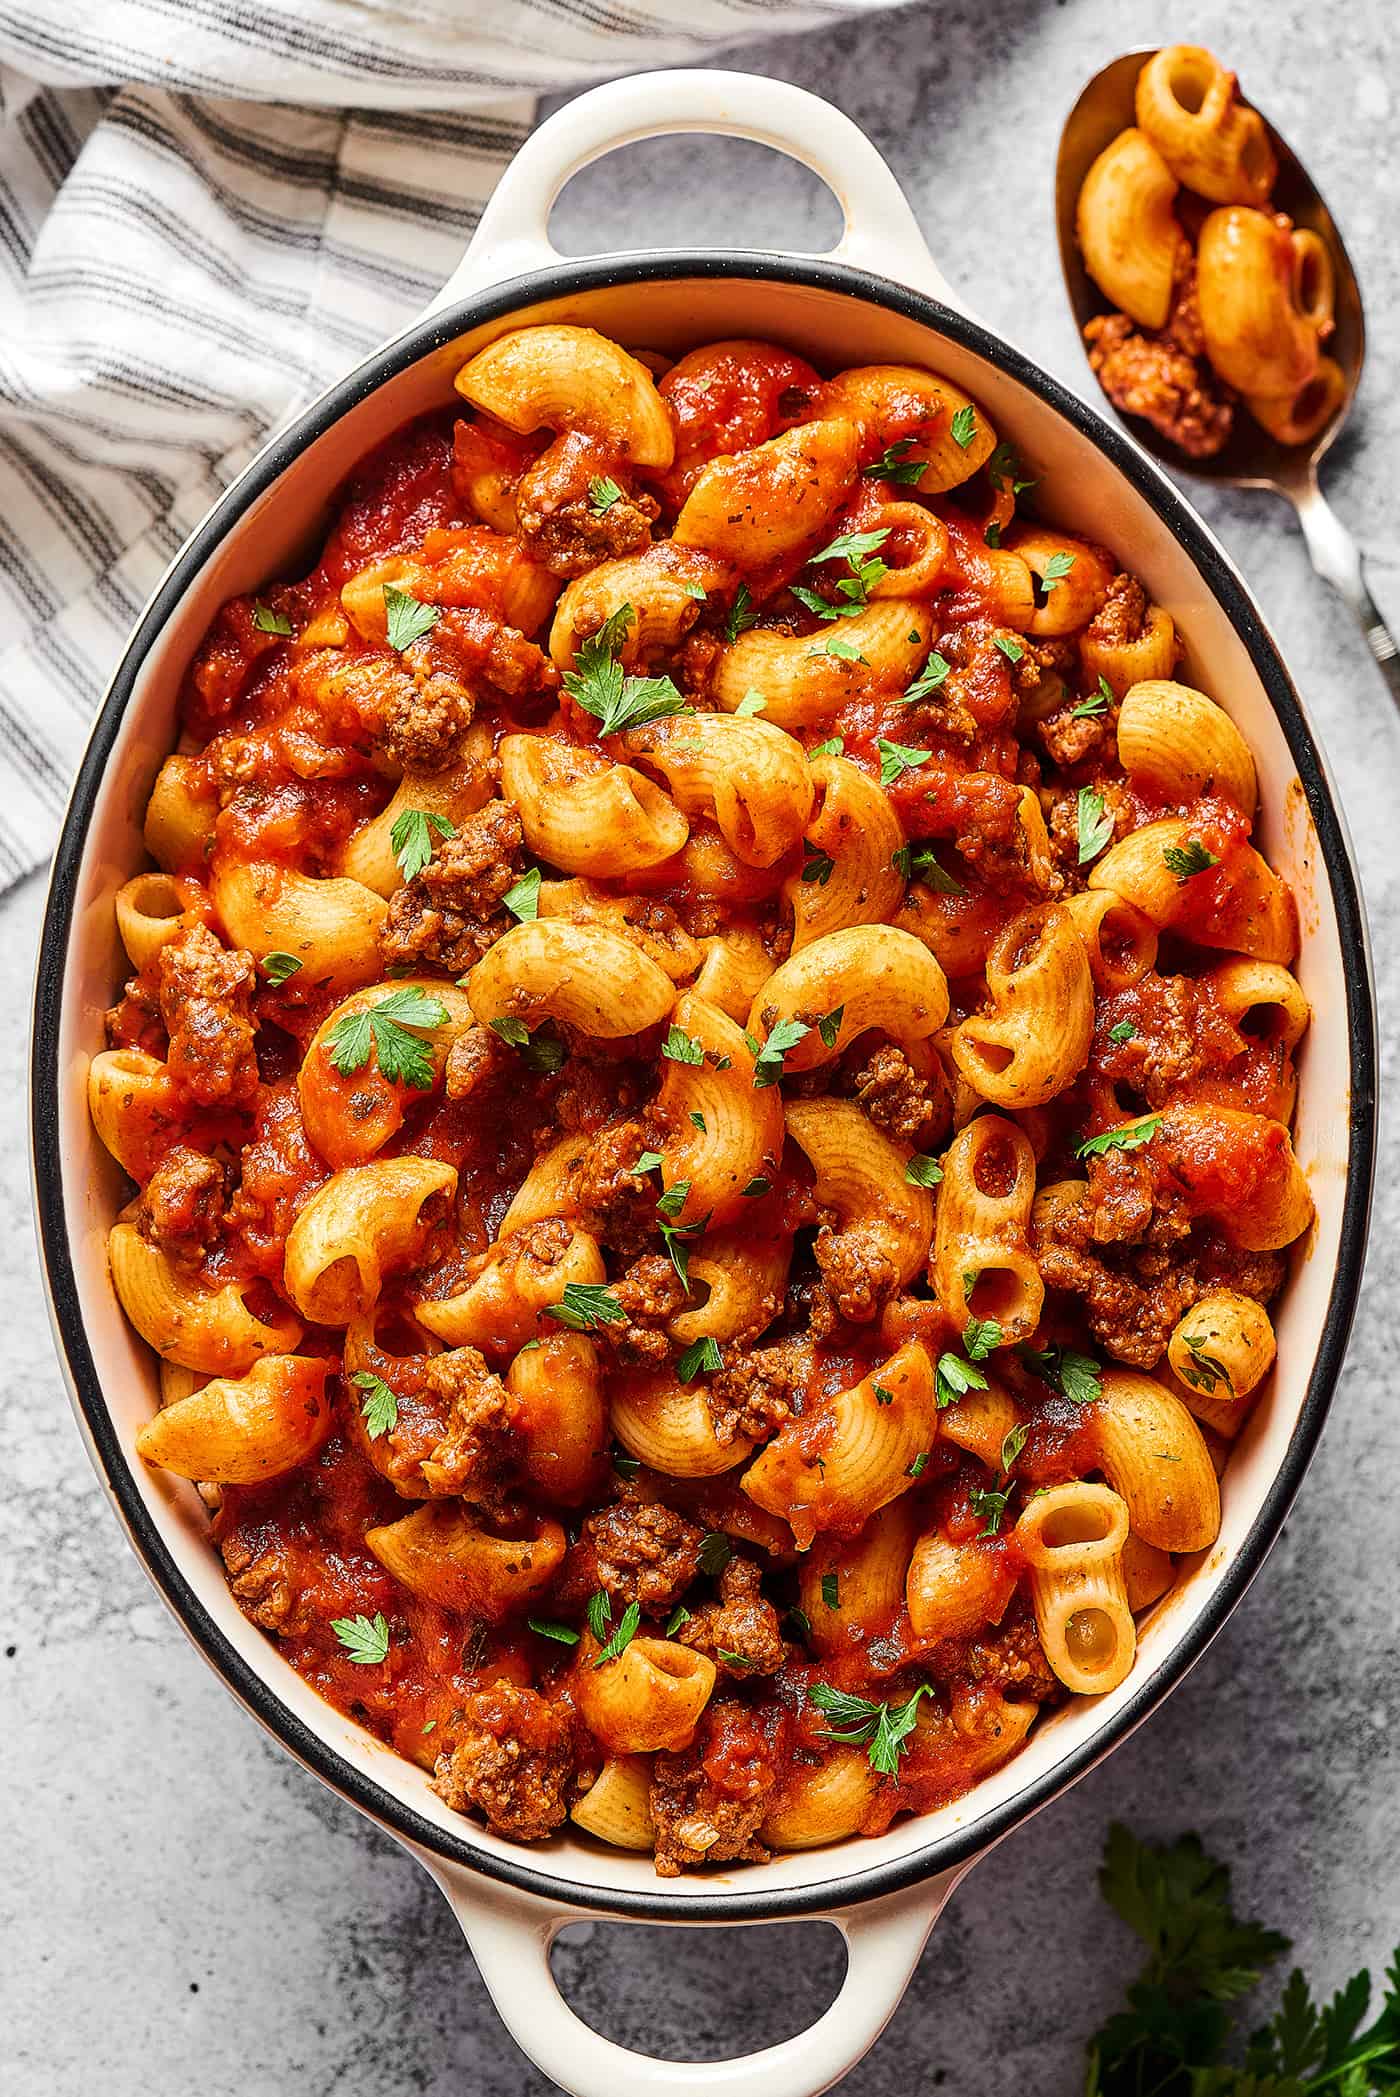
681	1004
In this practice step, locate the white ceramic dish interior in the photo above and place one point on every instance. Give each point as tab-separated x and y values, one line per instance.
509	1925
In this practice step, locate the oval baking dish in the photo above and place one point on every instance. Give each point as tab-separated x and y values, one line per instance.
877	298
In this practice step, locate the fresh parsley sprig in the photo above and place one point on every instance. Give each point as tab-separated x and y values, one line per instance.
412	838
387	1027
584	1306
1131	1136
379	1407
883	1729
405	619
365	1639
602	688
1189	859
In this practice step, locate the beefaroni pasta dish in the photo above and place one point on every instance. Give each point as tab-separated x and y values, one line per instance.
707	1076
1223	304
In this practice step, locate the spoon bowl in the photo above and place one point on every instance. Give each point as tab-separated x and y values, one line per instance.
1252	458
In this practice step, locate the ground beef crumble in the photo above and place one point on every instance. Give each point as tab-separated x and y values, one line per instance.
557	512
650	1293
911	1108
740	1631
708	1806
450	913
181	1209
512	1758
643	1552
205	992
476	1443
753	1396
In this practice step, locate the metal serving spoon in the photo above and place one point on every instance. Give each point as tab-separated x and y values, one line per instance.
1252	458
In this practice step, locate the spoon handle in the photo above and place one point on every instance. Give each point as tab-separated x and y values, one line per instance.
1337	559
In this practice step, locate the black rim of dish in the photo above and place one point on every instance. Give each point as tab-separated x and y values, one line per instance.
850	1882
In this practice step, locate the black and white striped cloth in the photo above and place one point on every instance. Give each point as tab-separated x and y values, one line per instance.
208	210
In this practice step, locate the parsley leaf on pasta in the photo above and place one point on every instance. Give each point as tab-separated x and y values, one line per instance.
834	644
701	1358
673	1200
954	1378
523	900
817	866
622	1637
832	747
963	427
741	614
543	1627
680	1047
1077	1377
1095	824
1056	569
922	1171
379	1408
831	1590
268	621
405	619
715	1552
753	702
365	1639
1131	1136
1012	1443
412	838
932	675
920	863
988	1502
1204	1371
584	1306
544	1051
1010	647
980	1337
1003	466
1124	1031
599	1613
277	967
679	1615
601	687
1097	702
603	492
1188	859
402	1057
829	1025
894	464
768	1063
882	1729
898	758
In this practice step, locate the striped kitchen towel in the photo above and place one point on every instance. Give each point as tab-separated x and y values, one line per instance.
208	210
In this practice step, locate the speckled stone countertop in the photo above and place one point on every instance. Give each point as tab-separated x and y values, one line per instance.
182	1908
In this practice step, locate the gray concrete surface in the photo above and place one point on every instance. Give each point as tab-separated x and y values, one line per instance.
182	1909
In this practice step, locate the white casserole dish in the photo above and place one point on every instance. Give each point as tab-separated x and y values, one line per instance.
877	297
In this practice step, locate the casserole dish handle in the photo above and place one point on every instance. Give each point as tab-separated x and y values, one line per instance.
881	234
510	1933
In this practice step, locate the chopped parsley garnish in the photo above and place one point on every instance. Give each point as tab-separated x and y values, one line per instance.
403	1058
881	1728
768	1063
1188	859
753	702
990	1504
603	492
920	863
922	1170
980	1337
268	621
277	966
562	1634
673	1236
405	619
741	614
935	670
835	644
523	900
898	758
622	1637
599	1613
680	1047
1056	569
832	747
1095	824
963	427
701	1358
829	1026
1012	1443
1097	703
1131	1136
817	866
954	1378
379	1408
697	1120
800	1621
1077	1377
584	1306
992	536
756	1187
882	1396
648	1161
1123	1031
1003	466
715	1552
696	590
365	1639
543	1052
412	838
673	1200
1204	1371
858	549
1009	646
598	684
894	464
679	1615
916	1469
831	1590
732	1658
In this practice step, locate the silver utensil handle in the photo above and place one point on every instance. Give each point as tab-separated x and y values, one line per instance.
1337	559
